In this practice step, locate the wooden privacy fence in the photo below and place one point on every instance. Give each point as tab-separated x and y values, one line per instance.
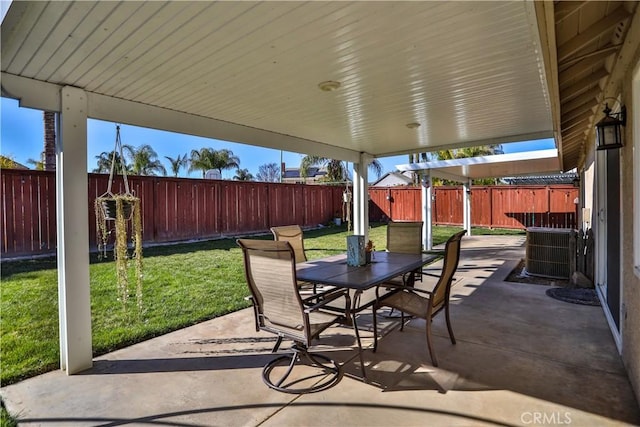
173	209
179	209
498	206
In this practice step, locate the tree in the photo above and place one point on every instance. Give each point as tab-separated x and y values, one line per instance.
144	160
461	153
269	172
38	165
208	158
243	175
177	163
104	162
49	118
336	169
7	162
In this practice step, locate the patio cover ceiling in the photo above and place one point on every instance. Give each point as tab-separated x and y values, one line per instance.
470	73
497	166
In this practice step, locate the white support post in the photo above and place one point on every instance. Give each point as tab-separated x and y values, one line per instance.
73	233
466	207
361	197
427	231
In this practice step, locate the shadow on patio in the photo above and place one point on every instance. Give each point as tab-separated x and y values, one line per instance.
522	358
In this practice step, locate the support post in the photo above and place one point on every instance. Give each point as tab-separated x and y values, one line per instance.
466	207
427	231
361	197
73	233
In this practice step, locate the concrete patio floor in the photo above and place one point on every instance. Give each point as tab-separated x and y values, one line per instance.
522	358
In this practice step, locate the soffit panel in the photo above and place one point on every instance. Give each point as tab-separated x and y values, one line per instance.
466	71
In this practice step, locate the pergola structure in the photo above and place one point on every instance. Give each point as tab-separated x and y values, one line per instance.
465	170
344	80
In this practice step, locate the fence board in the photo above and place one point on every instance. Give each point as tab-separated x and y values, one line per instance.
481	206
176	209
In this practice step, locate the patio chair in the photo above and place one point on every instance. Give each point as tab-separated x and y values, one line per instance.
278	307
405	237
423	303
294	235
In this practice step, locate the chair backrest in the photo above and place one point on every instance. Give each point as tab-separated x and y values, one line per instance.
270	271
293	235
441	291
404	237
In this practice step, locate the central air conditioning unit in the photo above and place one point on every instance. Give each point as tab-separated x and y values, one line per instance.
548	252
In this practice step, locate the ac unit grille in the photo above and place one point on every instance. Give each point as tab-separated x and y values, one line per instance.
547	252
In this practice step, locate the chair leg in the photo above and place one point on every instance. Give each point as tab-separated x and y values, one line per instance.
277	346
355	329
429	343
375	329
328	368
446	312
401	320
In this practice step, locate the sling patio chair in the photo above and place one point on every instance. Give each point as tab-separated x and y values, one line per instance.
294	235
405	237
423	303
279	308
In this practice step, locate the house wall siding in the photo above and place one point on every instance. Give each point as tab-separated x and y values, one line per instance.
630	316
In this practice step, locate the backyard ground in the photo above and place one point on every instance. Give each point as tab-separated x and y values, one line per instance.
184	284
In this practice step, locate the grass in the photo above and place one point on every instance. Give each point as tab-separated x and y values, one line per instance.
184	284
6	420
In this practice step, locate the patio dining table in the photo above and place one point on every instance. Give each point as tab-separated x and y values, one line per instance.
384	266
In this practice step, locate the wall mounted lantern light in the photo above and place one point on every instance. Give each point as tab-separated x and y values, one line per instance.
608	130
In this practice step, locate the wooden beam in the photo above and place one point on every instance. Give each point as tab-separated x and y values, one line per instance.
573	134
571	114
588	97
583	85
603	26
578	65
548	46
580	120
564	9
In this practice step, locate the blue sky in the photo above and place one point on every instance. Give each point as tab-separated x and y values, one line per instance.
22	136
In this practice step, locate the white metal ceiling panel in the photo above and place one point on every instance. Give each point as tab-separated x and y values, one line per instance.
496	166
468	72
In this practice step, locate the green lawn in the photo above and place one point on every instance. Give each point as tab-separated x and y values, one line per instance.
183	284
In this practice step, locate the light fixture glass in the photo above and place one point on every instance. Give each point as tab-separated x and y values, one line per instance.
609	129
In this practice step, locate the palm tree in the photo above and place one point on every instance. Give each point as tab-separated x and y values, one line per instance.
38	165
104	162
336	169
208	158
243	175
269	172
49	118
177	163
225	159
144	160
460	153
